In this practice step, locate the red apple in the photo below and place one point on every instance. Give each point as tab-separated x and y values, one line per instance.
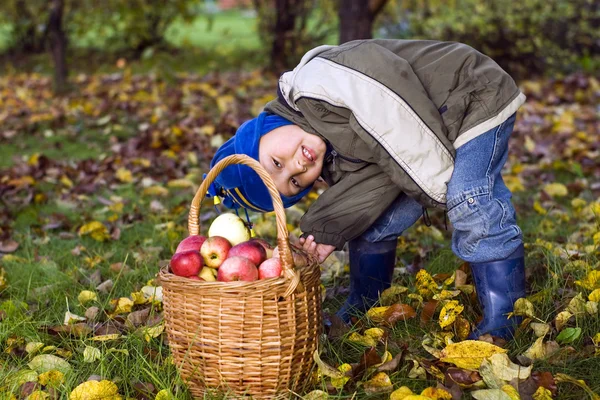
265	244
270	268
195	278
193	242
187	263
214	251
252	250
237	269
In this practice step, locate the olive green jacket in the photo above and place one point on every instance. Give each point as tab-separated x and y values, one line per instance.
394	112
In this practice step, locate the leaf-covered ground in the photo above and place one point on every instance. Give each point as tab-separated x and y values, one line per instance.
94	193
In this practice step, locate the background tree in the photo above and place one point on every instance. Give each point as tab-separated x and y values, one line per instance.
292	27
58	45
357	18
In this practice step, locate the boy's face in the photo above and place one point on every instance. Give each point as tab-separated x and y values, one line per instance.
293	158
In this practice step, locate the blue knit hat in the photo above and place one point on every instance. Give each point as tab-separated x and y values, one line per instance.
238	184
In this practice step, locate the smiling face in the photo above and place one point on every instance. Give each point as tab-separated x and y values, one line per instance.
293	158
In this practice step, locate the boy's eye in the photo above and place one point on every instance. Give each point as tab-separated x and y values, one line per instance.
276	163
295	182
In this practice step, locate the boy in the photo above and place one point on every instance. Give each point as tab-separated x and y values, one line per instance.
393	127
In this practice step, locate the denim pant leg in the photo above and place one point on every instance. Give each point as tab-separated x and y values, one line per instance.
398	217
479	203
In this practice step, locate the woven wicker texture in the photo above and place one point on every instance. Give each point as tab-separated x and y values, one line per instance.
244	338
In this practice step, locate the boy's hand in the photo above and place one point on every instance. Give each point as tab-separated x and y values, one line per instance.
321	251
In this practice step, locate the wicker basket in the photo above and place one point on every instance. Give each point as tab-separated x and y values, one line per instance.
244	338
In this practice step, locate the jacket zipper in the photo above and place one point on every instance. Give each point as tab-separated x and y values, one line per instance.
335	154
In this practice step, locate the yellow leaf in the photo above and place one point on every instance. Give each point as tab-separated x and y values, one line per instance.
538	208
360	339
379	383
124	175
95	390
207	130
556	189
34	347
577	304
96	230
34	159
536	351
542	394
91	354
339	383
51	378
561	319
436	394
511	392
155	191
561	378
164	394
225	103
469	354
446	294
523	307
87	296
376	313
122	305
180	183
326	369
529	144
401	394
506	370
38	395
3	281
105	338
514	183
153	331
138	298
66	181
449	313
540	329
316	395
425	284
591	281
591	307
490	394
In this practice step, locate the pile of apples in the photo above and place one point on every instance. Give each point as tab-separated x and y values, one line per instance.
227	254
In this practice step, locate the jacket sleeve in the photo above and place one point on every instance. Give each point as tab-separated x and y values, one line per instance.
348	208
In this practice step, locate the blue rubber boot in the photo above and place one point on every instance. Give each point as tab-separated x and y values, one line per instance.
371	271
499	284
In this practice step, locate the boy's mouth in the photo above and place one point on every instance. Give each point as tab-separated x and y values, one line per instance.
309	154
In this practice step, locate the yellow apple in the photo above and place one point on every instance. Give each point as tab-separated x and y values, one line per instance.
207	274
231	227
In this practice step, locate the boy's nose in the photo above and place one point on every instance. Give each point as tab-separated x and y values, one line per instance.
302	165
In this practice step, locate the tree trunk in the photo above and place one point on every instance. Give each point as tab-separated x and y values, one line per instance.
58	46
284	27
357	17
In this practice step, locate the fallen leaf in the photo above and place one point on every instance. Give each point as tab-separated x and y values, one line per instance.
490	394
469	354
96	230
449	312
561	319
312	395
523	307
96	390
326	369
542	394
51	378
436	394
564	378
379	383
339	383
86	296
91	354
47	362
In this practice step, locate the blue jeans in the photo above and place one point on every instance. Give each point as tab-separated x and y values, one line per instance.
478	201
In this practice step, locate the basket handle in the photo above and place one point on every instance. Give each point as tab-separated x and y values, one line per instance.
285	252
